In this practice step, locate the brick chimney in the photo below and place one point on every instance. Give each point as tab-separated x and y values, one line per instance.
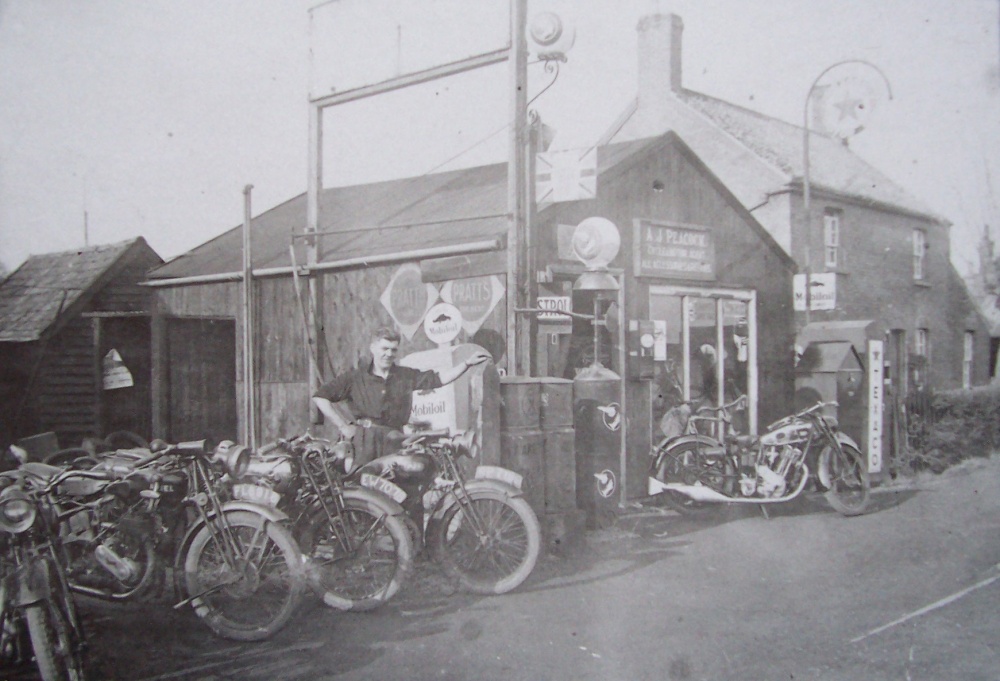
659	75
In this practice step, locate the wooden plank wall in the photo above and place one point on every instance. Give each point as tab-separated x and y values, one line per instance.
351	310
66	385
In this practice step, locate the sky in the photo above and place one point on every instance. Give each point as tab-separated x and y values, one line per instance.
121	118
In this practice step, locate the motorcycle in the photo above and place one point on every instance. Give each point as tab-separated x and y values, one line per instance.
481	530
695	470
136	511
37	612
358	549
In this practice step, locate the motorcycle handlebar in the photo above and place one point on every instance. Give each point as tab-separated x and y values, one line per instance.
816	407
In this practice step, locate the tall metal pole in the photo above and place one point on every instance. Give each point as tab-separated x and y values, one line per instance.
313	184
517	358
249	401
806	187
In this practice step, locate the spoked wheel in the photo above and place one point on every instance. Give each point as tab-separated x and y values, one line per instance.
490	542
360	559
251	595
846	477
52	643
688	465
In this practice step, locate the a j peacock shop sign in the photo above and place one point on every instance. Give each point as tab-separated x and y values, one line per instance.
673	251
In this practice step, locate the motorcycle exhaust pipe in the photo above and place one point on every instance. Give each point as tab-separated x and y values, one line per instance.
702	493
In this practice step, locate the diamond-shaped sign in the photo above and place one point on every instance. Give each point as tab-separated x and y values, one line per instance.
407	299
475	297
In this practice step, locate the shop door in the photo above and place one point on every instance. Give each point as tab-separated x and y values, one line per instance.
202	370
707	350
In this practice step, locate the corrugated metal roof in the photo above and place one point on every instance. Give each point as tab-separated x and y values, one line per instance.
32	297
832	164
395	216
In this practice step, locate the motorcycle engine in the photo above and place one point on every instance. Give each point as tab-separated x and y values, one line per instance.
774	467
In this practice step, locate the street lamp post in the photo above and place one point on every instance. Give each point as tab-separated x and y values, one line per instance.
806	187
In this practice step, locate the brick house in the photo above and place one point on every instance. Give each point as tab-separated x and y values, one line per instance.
887	254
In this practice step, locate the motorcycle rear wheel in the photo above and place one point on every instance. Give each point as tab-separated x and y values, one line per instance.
255	601
496	557
361	560
849	488
686	464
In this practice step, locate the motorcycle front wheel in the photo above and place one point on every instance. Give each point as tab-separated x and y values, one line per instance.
845	474
52	643
688	465
359	559
489	542
249	591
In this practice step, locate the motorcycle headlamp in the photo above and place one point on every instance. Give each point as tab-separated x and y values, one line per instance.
343	455
17	511
232	458
466	444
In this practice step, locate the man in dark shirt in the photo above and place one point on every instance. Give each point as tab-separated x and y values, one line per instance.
379	396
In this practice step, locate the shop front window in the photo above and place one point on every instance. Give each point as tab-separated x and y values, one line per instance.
704	352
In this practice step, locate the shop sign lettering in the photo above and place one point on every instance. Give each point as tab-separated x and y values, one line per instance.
553	305
876	359
672	250
475	297
443	323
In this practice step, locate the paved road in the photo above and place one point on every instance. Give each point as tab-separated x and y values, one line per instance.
903	593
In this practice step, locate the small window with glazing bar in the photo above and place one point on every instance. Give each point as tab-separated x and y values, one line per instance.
919	252
831	238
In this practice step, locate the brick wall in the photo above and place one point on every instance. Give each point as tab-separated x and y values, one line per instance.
875	281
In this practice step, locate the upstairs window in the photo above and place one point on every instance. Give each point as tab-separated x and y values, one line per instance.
967	346
831	238
919	249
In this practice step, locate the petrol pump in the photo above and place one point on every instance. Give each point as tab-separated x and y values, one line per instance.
844	362
597	390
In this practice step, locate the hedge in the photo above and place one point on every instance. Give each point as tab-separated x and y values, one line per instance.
957	425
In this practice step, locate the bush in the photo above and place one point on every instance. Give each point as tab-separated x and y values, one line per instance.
955	425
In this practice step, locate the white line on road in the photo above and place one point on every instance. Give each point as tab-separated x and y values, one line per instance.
927	608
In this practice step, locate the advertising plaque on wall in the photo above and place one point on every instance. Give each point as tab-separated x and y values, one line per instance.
673	251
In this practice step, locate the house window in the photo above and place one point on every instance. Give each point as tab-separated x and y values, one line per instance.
967	346
919	249
920	343
831	238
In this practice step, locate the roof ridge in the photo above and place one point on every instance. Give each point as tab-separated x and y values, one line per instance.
87	249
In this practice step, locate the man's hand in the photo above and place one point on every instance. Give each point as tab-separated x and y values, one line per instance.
478	357
449	375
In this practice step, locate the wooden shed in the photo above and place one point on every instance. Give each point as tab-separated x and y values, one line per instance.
75	343
387	251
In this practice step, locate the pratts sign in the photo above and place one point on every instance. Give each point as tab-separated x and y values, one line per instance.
407	298
672	250
475	297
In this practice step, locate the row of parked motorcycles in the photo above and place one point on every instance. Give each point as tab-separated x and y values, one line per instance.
239	536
